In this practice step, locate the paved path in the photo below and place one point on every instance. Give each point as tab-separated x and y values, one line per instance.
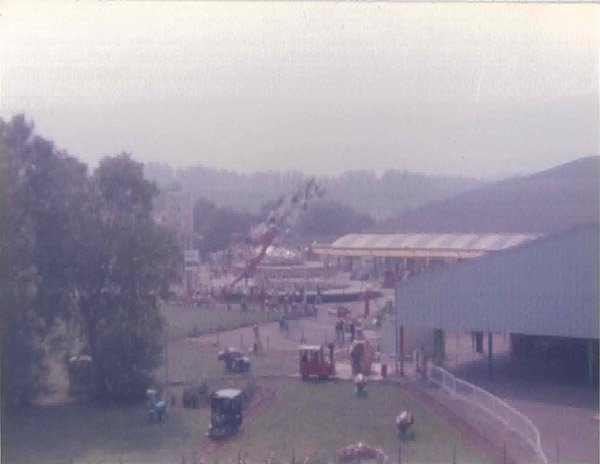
318	331
565	415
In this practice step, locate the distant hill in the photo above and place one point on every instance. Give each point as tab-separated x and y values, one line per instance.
394	191
547	201
364	191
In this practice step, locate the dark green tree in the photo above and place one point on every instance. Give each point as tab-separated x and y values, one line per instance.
332	218
57	191
23	367
218	226
125	266
84	249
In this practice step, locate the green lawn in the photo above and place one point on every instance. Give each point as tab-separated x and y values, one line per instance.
191	362
312	419
188	361
182	319
316	419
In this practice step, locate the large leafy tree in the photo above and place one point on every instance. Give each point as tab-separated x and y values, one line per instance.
57	192
82	248
42	191
125	267
23	368
218	226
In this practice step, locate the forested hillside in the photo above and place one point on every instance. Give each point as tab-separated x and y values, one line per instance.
547	201
380	196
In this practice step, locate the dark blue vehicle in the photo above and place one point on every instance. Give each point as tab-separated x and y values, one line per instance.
225	413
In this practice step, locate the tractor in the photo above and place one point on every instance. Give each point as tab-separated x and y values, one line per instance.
404	421
225	413
234	359
157	406
313	362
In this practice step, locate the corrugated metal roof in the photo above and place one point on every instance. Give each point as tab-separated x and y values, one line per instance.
455	242
545	287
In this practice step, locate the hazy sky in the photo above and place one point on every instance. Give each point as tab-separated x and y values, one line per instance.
478	89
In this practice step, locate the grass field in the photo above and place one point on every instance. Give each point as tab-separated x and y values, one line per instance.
316	419
312	419
191	362
182	319
188	361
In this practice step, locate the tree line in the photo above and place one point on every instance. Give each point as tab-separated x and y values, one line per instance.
219	226
81	248
381	196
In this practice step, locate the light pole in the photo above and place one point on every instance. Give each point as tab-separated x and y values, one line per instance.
399	330
166	359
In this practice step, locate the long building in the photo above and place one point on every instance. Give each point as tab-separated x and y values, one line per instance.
544	293
406	255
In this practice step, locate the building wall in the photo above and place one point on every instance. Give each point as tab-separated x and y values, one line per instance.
414	338
547	287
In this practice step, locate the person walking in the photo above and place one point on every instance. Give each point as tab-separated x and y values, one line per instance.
339	329
355	356
425	359
281	322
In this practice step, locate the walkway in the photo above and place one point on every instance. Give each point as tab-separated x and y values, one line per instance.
565	415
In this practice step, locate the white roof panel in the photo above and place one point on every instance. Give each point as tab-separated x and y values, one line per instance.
454	242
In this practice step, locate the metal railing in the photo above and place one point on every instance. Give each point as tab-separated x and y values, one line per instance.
496	408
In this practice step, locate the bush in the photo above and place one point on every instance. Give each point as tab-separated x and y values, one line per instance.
191	398
123	364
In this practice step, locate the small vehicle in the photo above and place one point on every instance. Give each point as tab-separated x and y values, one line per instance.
225	413
313	361
80	375
157	406
235	361
403	422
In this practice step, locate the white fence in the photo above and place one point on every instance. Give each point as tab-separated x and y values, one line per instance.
494	407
